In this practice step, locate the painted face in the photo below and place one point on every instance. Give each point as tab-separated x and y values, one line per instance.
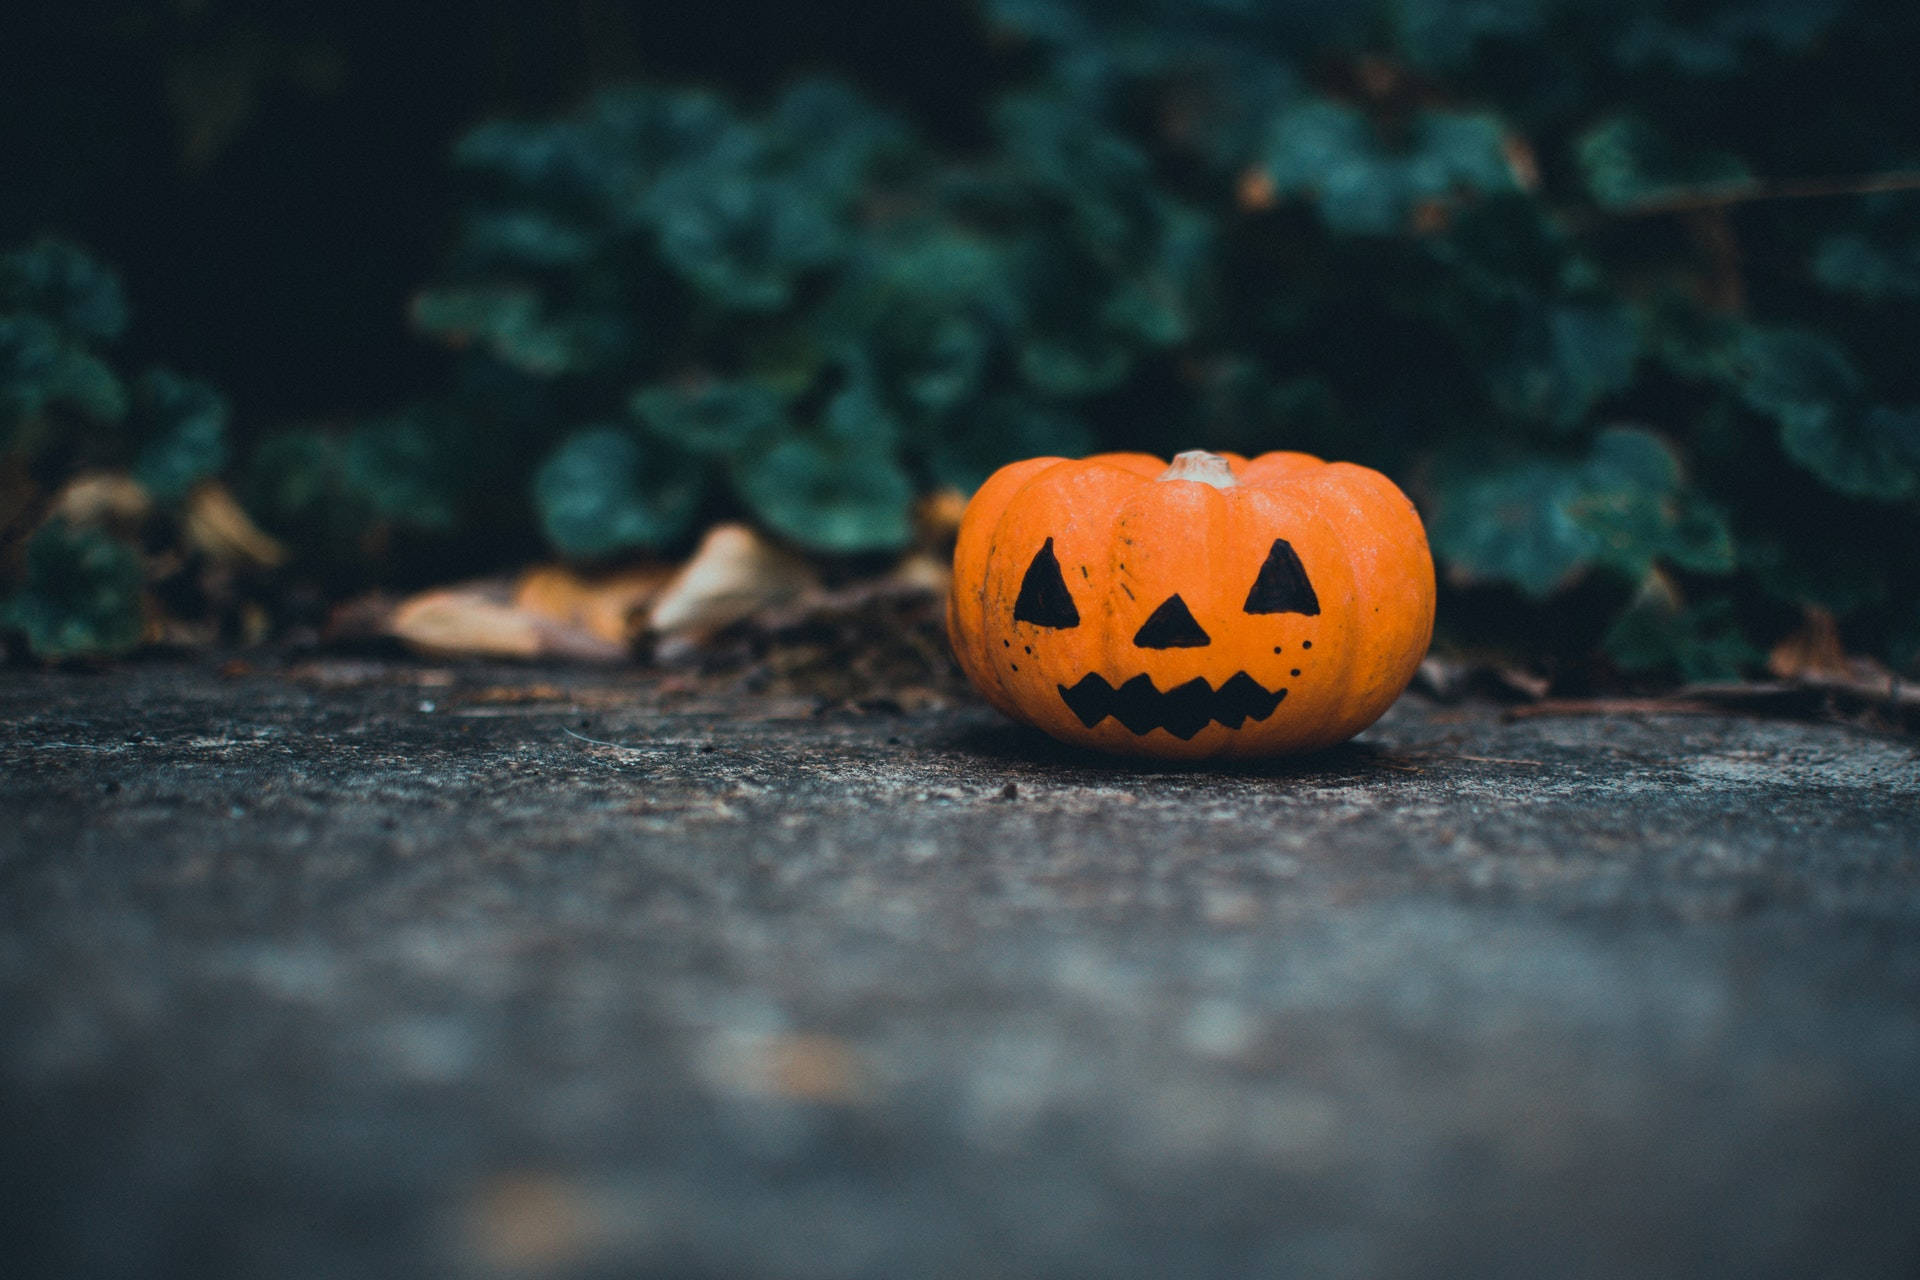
1185	611
1282	586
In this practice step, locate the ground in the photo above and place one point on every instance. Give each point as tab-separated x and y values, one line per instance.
366	969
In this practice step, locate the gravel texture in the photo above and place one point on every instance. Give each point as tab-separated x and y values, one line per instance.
366	969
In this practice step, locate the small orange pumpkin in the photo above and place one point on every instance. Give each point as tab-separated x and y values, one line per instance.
1214	607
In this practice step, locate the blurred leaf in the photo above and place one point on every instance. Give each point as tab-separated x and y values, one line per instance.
327	493
713	417
827	496
1809	384
1858	263
1568	357
605	492
514	325
1875	454
63	284
1537	522
1716	43
399	473
42	369
1631	497
857	415
81	596
1627	162
1658	631
1331	153
1512	524
513	238
184	424
1445	33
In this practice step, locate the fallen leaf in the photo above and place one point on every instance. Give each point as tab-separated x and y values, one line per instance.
610	606
1815	655
216	525
481	621
111	498
733	574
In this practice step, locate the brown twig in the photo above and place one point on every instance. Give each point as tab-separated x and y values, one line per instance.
1749	192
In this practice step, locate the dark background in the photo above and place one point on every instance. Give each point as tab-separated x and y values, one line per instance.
270	177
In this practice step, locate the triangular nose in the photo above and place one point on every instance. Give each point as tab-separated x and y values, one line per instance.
1171	627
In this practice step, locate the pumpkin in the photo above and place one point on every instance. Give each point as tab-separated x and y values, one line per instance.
1214	607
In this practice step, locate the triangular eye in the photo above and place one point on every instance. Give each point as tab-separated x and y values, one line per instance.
1043	594
1282	586
1172	626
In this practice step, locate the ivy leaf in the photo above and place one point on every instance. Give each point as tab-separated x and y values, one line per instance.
513	324
604	492
926	308
1718	43
1331	153
523	238
1808	383
1512	524
857	414
40	369
1444	33
1627	162
329	493
827	133
1631	497
1874	455
827	496
1853	262
1538	522
1659	631
713	418
1568	357
81	595
741	238
64	284
184	423
400	473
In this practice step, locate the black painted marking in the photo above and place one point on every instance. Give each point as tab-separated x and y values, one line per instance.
1282	586
1043	599
1182	711
1171	626
1296	671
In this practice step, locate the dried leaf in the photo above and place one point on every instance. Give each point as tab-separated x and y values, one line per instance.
217	526
608	606
111	498
1814	655
734	573
482	621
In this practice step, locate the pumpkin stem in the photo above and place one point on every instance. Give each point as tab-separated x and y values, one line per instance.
1201	467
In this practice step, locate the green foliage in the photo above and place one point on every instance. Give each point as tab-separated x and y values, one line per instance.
65	404
185	426
604	492
338	496
1495	249
80	597
806	302
1367	184
1524	255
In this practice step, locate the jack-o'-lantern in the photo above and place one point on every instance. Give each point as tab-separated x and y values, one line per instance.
1215	607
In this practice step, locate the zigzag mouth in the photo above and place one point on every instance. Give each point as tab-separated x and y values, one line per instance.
1182	711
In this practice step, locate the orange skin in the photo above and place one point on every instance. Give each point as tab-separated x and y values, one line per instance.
1128	533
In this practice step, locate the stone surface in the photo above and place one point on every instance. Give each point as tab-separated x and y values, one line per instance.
361	970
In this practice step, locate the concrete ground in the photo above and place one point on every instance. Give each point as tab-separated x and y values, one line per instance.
362	969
